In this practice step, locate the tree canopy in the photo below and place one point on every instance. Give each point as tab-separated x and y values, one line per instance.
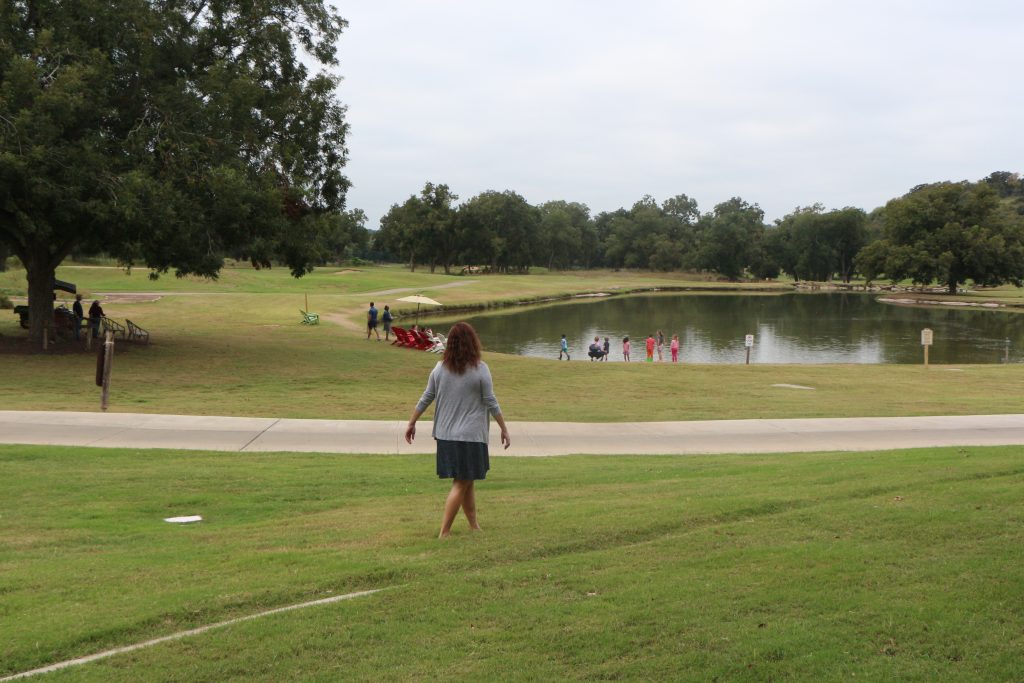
169	134
949	233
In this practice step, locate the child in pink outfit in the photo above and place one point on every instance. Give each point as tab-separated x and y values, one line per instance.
625	349
675	348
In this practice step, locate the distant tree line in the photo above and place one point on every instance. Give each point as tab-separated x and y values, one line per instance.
947	232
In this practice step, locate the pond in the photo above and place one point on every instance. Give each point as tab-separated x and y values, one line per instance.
788	328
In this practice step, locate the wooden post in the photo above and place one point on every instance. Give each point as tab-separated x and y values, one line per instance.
108	357
926	356
748	355
307	302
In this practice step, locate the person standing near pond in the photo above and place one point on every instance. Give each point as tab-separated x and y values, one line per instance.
463	390
661	346
79	313
95	317
675	348
386	318
371	322
625	349
650	349
564	348
607	348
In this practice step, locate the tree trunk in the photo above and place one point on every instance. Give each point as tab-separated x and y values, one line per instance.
952	286
40	275
412	261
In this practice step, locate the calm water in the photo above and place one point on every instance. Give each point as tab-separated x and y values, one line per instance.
791	328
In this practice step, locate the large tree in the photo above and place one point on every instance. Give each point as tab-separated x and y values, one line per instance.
949	233
730	237
169	133
501	229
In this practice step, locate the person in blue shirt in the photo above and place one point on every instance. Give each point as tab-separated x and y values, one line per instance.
564	349
387	318
371	322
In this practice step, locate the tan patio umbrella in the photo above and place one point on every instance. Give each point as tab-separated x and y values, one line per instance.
419	300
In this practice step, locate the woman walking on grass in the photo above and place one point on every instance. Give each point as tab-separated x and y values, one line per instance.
461	385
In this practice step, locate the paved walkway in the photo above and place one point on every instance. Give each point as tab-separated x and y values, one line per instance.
136	430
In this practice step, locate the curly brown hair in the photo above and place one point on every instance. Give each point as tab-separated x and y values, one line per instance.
462	350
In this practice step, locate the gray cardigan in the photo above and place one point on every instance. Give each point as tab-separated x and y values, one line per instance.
464	403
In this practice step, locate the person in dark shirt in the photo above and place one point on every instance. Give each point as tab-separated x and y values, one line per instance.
371	322
95	316
387	318
79	313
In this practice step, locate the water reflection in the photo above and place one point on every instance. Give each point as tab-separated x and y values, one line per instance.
791	328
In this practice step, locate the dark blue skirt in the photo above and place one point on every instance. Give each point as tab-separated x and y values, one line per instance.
462	460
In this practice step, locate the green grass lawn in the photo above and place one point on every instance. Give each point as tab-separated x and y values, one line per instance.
904	565
235	347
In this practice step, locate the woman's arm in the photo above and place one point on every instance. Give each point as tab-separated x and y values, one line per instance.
410	429
505	440
491	401
425	400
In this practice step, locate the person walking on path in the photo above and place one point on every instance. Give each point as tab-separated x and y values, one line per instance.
607	348
675	348
564	348
79	313
650	349
661	346
371	322
625	349
386	318
463	390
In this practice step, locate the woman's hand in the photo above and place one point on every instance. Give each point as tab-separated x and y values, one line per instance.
505	438
410	432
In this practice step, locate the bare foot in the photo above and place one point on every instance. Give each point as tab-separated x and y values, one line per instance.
475	528
443	535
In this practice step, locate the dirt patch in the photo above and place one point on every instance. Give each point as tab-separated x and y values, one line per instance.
129	298
346	271
340	320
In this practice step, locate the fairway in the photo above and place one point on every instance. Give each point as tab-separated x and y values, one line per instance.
236	346
901	564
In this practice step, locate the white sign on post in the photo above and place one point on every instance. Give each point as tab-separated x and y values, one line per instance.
749	341
926	337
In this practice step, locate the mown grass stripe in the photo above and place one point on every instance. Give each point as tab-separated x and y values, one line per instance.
182	634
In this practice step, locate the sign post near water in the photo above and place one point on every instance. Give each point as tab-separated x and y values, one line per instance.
748	342
926	341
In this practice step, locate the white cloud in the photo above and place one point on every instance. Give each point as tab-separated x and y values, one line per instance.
784	103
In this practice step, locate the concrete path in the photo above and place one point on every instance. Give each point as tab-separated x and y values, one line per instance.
136	430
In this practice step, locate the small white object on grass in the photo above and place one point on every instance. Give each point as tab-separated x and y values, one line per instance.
184	520
793	386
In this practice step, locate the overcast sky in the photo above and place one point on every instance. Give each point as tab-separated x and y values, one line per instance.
781	102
